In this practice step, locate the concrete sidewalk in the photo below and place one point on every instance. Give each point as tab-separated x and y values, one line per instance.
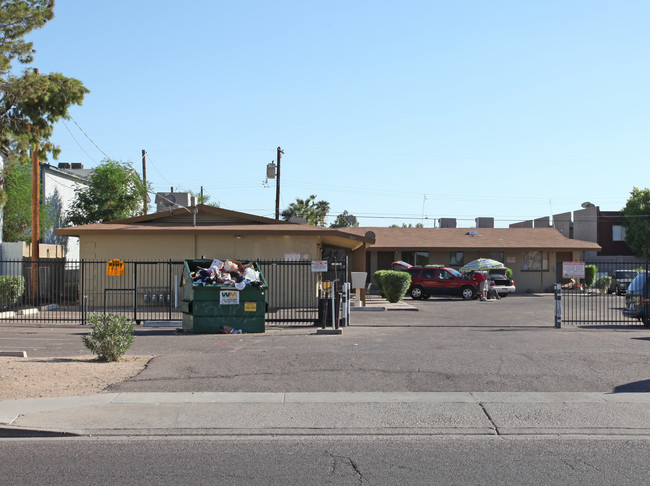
394	413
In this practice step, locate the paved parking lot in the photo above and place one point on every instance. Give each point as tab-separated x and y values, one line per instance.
509	345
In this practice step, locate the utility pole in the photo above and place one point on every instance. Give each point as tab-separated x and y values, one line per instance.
144	179
36	222
36	218
277	187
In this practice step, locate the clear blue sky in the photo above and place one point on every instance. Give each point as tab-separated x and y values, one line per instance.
398	112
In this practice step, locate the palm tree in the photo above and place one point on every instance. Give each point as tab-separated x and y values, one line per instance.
314	212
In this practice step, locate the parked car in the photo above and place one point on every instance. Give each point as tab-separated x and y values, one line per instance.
428	281
621	279
400	266
500	282
636	299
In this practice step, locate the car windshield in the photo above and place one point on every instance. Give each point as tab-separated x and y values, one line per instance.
455	273
637	284
626	274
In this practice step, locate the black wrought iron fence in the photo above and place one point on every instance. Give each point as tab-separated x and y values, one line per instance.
57	290
616	293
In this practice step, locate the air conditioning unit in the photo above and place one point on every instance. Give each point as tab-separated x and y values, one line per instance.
166	201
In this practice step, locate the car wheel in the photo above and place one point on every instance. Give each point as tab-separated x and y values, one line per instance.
416	293
503	295
467	293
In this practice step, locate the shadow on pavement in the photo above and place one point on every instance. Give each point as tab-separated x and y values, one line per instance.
634	387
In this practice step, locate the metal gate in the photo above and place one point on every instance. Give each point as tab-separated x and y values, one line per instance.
68	291
606	302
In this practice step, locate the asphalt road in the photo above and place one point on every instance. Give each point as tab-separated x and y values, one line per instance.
323	460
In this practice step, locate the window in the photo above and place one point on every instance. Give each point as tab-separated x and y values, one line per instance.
421	258
444	275
618	233
456	258
417	258
496	255
428	273
534	261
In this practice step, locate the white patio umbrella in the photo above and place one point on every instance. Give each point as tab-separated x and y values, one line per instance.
481	264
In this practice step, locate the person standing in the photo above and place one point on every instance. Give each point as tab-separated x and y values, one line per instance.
482	284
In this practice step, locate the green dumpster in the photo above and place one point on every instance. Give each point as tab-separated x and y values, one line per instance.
220	307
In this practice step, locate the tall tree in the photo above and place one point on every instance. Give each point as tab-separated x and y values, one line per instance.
115	191
17	218
30	104
636	221
313	211
345	220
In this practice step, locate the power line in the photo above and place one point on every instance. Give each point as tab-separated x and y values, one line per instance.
91	140
77	141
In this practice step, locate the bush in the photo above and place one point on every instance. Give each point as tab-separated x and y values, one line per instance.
377	280
590	275
394	285
110	336
603	283
11	288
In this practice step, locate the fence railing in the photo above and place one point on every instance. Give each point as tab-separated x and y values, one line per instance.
607	300
59	290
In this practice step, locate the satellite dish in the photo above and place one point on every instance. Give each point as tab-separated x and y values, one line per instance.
587	204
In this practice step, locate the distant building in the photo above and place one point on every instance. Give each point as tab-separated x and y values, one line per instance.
59	184
592	224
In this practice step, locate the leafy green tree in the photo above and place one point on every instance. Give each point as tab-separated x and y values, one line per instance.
345	220
17	220
18	18
30	104
115	191
313	211
636	221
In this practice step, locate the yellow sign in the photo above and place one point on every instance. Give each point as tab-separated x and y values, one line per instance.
115	268
250	306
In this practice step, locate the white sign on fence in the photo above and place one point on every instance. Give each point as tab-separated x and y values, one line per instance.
319	266
573	269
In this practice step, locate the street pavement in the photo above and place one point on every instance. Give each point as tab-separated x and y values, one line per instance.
435	367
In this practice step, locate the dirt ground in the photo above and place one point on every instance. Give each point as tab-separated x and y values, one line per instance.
22	378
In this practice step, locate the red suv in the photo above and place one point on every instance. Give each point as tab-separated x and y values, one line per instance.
428	281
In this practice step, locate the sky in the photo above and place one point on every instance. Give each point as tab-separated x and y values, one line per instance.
399	112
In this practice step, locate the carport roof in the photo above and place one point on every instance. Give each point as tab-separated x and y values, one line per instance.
473	239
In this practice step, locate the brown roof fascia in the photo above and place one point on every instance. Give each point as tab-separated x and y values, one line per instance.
252	229
473	239
202	208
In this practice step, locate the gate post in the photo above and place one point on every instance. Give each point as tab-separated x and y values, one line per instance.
558	305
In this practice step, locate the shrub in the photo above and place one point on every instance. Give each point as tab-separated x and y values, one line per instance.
603	283
110	335
378	281
395	285
590	275
11	288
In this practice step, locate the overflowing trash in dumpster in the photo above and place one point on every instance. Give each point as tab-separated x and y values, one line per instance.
229	272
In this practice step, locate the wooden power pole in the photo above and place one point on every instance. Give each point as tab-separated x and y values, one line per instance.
144	179
36	222
277	187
